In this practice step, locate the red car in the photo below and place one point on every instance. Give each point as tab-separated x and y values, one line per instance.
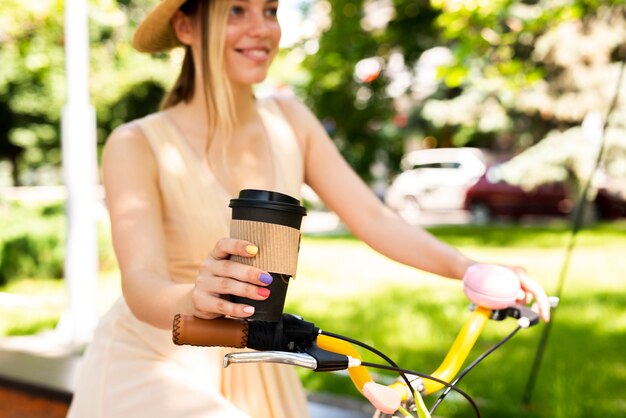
492	197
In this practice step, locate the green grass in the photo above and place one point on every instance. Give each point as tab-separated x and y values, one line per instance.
344	286
412	316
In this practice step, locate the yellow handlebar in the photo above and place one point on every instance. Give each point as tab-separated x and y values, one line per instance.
460	349
359	375
450	366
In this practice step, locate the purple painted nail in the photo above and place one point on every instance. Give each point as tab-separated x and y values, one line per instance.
266	278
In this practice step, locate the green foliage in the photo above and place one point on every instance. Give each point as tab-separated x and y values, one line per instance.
508	72
32	243
355	108
514	72
522	62
32	77
31	255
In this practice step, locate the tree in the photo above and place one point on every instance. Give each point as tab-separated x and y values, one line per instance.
32	76
350	69
535	65
584	58
29	82
488	65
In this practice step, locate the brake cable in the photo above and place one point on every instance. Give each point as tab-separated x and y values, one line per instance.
403	372
576	226
471	366
426	376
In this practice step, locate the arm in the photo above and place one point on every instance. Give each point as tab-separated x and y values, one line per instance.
363	213
133	199
370	220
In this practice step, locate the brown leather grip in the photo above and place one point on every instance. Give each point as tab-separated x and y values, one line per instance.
222	332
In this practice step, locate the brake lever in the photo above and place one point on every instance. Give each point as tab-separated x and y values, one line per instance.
327	361
525	316
295	359
313	358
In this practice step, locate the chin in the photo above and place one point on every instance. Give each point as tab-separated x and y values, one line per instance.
249	79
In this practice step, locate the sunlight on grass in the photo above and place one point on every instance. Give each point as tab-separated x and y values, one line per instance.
344	286
32	305
412	316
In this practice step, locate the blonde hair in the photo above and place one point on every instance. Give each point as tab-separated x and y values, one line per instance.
218	95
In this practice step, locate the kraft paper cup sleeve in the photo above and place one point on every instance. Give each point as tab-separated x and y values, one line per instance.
278	245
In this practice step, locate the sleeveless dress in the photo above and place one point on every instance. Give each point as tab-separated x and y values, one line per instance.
132	369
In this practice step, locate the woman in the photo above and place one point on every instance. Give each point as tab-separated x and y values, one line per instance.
169	178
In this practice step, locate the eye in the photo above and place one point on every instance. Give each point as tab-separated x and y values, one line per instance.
237	11
271	11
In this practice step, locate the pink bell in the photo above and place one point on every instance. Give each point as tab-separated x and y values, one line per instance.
492	286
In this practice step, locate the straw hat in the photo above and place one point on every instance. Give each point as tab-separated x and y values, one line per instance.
155	33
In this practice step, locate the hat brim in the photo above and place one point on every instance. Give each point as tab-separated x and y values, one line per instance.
155	32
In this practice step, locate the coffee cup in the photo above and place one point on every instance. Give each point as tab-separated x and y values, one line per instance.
271	221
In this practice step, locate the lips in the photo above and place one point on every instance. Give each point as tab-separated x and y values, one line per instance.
257	54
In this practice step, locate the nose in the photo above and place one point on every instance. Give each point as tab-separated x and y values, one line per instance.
258	24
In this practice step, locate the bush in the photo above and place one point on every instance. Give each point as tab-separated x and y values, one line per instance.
32	247
32	243
31	255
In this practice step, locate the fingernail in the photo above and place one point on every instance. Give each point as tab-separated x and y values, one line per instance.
252	249
266	278
249	309
263	292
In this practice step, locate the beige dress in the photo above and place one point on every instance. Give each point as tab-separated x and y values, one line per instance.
132	369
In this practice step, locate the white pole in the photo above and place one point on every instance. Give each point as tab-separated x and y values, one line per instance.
80	176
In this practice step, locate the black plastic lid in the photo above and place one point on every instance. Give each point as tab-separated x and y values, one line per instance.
265	199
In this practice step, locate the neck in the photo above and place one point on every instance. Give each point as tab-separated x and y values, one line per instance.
245	104
243	100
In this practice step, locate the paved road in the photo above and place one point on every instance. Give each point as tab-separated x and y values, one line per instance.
319	410
323	405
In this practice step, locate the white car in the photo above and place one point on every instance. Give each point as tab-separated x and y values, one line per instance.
434	179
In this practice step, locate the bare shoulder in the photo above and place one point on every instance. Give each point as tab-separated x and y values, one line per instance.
293	106
302	120
127	141
126	137
127	153
296	111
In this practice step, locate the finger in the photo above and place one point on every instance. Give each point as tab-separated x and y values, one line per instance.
544	306
230	286
535	290
235	270
226	247
213	306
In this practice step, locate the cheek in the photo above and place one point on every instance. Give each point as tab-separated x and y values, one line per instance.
277	32
232	35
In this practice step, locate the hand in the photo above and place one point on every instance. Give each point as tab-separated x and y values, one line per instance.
532	290
220	276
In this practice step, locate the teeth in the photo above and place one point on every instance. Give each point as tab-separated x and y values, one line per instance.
256	52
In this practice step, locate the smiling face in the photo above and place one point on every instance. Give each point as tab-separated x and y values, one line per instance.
252	39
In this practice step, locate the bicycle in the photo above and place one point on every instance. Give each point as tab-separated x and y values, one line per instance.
491	289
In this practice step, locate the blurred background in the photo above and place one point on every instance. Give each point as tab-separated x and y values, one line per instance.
482	121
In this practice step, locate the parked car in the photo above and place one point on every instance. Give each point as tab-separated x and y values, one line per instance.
492	197
434	179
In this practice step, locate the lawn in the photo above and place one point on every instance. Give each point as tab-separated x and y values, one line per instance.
345	287
413	317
